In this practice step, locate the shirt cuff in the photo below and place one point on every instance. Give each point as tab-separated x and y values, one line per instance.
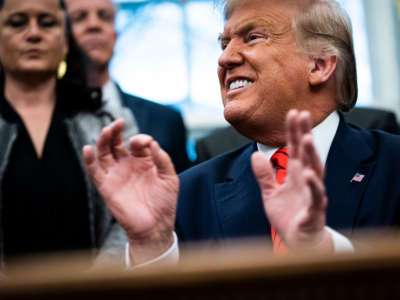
340	242
171	256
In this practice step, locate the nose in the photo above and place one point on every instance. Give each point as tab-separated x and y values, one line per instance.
93	22
34	32
231	56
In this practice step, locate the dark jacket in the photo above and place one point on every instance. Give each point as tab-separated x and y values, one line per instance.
220	198
84	124
164	124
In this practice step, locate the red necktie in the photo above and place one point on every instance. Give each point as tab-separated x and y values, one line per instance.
279	162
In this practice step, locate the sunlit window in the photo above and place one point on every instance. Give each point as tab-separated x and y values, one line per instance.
149	58
356	12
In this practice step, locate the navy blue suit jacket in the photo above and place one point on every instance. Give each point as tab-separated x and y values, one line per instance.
220	198
164	124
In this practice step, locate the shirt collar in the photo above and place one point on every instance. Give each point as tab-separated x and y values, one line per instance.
323	135
111	95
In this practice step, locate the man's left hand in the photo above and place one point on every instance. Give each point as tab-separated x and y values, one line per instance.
296	208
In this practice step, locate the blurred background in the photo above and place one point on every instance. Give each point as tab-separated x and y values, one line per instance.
167	52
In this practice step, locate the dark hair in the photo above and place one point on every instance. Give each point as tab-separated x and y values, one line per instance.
76	76
77	61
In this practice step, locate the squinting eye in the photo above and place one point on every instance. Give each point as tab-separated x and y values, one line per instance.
224	44
254	36
107	16
47	22
78	16
17	22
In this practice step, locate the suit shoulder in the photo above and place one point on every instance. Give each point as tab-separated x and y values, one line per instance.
378	136
141	103
380	141
386	141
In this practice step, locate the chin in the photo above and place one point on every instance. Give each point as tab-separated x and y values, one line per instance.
33	70
35	73
99	58
234	115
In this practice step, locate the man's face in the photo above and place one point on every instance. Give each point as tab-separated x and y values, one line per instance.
93	27
262	72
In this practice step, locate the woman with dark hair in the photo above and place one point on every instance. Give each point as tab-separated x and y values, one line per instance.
47	202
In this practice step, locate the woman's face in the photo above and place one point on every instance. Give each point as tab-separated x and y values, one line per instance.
32	36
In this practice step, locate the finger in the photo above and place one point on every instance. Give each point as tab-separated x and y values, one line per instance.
304	155
91	166
103	144
293	136
304	128
304	120
263	171
309	156
300	125
118	149
162	160
318	197
140	145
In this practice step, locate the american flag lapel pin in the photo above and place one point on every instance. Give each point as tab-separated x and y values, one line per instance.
358	177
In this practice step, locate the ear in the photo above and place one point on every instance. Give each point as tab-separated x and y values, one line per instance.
321	69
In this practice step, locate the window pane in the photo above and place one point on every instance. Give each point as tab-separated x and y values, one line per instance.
355	8
205	24
149	57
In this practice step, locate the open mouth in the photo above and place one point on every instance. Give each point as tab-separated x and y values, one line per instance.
237	84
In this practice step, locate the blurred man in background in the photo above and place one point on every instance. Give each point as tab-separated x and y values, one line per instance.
93	27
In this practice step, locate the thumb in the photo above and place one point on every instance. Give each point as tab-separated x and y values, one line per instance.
263	171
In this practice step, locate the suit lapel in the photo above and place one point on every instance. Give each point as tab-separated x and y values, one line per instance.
238	200
349	155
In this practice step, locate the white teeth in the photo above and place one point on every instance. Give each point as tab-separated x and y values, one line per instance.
238	84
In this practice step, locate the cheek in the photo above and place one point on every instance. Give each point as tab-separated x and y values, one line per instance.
59	47
7	51
221	76
112	35
6	43
77	31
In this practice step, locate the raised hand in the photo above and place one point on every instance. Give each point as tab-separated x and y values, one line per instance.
140	187
296	208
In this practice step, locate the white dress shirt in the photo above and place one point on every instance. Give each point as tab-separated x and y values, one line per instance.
323	135
111	94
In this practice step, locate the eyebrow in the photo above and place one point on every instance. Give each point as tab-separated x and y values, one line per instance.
248	26
222	37
40	14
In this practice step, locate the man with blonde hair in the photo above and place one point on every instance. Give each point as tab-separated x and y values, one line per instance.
286	71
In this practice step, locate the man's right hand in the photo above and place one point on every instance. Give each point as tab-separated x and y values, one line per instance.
140	186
